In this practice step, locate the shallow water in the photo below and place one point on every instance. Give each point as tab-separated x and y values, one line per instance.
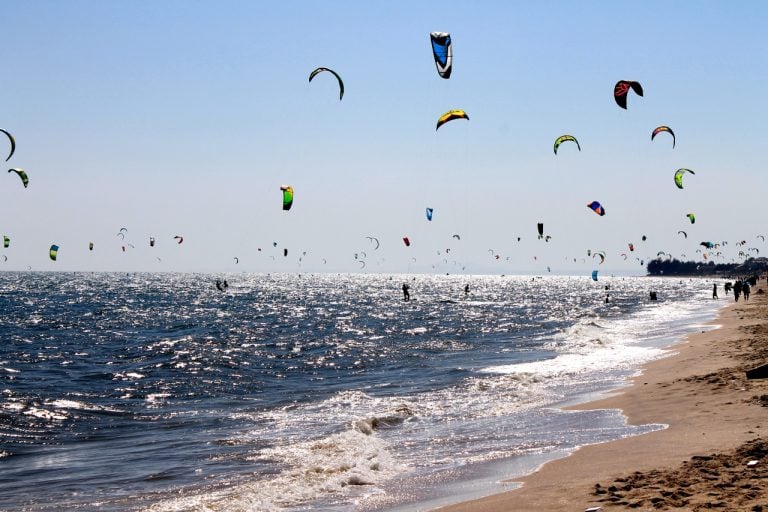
298	392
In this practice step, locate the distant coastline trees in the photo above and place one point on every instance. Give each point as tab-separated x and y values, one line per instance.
675	267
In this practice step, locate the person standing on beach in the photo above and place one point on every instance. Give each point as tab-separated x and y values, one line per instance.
714	291
736	290
745	290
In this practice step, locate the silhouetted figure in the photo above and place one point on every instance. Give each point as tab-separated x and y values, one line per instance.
406	293
745	290
218	285
714	291
736	290
653	296
466	290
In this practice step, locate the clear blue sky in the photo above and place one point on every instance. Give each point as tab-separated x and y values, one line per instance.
186	117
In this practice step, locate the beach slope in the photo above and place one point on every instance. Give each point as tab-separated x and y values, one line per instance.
715	417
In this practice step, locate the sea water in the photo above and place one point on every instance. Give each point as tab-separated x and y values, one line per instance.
312	392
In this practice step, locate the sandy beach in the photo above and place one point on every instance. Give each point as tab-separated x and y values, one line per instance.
716	420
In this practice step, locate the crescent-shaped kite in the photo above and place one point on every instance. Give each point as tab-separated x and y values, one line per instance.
13	143
622	88
660	129
679	176
22	175
341	83
450	116
564	138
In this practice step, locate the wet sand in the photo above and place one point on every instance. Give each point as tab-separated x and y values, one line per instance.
717	424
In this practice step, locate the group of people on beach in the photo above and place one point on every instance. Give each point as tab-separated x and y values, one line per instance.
740	287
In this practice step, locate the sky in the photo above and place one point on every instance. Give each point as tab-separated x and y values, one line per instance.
185	118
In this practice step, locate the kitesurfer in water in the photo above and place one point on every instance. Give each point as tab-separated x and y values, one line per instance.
218	285
226	284
406	293
466	289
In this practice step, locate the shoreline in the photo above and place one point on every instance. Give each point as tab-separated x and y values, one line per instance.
700	392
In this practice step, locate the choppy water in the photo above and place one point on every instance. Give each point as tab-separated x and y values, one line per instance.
298	392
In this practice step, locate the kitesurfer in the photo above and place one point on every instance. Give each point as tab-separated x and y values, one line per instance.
653	296
226	284
218	285
466	289
406	293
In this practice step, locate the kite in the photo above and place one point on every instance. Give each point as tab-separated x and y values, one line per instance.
660	129
450	116
179	238
362	264
564	138
631	247
602	256
406	241
22	175
442	51
597	208
540	228
708	245
622	88
761	237
287	197
285	252
341	84
594	275
679	176
660	253
692	218
90	246
429	214
374	239
684	233
53	252
457	237
151	241
6	241
237	260
13	143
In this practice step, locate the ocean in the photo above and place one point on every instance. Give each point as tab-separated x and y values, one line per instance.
294	392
